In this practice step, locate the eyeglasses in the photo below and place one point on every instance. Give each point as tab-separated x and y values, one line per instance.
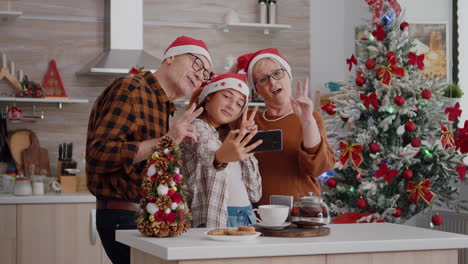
198	66
276	75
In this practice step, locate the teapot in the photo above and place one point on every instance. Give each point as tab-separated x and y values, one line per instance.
310	212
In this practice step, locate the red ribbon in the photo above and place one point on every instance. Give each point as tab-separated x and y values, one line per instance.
378	8
386	173
370	99
446	138
351	152
423	190
416	60
386	72
351	61
453	111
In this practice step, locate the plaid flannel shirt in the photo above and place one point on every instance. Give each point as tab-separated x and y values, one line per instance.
132	109
208	186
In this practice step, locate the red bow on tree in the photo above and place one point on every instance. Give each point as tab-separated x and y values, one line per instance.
446	138
378	8
379	33
386	72
351	152
351	61
370	99
386	173
453	111
462	139
416	60
423	190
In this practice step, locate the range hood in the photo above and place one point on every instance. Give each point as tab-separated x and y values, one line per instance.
125	41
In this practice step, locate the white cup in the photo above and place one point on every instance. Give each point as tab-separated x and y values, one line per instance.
272	215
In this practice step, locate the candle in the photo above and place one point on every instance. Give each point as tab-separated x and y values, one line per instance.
12	67
20	75
4	63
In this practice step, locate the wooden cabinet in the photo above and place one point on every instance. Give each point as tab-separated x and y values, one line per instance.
8	234
48	233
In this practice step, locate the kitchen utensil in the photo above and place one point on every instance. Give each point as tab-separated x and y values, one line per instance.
310	212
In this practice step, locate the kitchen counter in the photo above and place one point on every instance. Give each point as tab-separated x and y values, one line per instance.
48	198
343	238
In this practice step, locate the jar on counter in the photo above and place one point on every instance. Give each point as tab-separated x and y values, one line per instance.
38	185
22	186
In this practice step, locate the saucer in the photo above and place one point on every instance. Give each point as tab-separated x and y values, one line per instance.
275	227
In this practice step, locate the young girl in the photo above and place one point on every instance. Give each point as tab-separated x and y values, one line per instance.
223	177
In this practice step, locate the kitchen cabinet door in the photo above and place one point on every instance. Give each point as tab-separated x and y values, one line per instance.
56	234
8	234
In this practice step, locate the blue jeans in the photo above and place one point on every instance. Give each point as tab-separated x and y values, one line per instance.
240	216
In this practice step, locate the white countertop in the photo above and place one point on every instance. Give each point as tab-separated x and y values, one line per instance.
48	198
343	238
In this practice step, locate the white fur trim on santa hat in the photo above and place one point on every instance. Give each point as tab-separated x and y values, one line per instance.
252	63
223	84
184	49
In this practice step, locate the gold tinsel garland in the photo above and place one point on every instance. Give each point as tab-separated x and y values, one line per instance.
165	212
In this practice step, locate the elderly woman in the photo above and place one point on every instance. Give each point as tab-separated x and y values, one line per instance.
306	153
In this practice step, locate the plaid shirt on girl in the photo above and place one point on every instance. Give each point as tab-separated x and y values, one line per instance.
207	185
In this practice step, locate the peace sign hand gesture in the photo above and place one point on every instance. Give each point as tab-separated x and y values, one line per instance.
183	127
302	105
248	124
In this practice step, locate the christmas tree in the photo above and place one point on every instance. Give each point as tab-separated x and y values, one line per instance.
164	191
398	155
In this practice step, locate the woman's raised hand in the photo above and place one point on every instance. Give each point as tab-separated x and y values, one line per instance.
302	105
248	123
234	146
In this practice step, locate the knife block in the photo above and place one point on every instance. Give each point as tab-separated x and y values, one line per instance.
67	180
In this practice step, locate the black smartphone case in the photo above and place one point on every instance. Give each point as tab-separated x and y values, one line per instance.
272	141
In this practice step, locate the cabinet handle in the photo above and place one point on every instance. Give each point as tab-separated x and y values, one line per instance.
93	227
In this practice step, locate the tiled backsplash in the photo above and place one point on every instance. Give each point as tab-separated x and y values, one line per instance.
72	33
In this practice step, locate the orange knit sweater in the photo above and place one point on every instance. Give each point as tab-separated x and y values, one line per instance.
294	170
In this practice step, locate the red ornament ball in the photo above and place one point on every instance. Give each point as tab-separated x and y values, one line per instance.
404	25
410	126
398	212
437	220
426	94
360	81
361	203
345	119
415	142
390	55
331	183
370	64
374	147
407	174
399	100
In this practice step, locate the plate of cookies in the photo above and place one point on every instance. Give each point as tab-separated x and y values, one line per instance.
242	233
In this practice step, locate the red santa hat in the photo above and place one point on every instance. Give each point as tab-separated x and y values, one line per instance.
226	81
184	45
247	62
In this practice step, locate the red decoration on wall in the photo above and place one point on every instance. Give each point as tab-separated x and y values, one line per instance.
52	84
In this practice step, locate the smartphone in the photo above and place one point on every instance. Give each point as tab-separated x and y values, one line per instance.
272	141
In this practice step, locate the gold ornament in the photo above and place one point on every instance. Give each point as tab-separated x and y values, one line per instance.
151	218
155	155
174	188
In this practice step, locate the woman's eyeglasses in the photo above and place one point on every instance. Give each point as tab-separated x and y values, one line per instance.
276	75
198	66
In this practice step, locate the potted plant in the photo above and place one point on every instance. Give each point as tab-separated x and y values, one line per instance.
453	92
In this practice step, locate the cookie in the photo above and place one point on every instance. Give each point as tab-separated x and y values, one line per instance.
218	232
246	228
240	233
